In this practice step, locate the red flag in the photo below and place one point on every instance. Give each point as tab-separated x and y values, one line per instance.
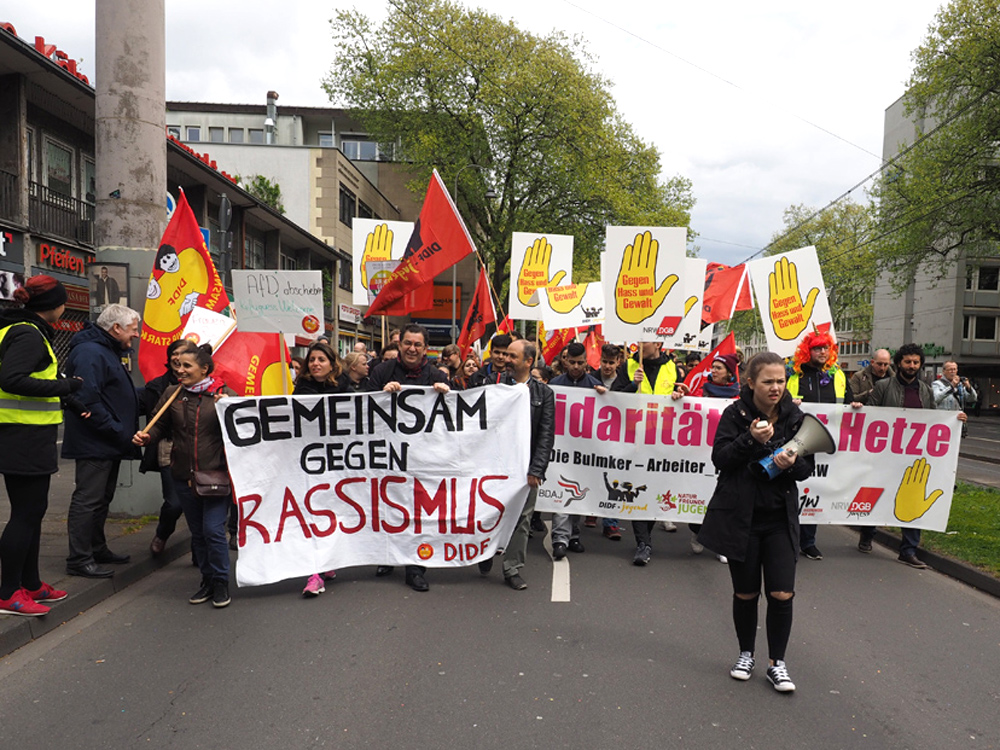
593	343
699	374
722	285
556	343
506	325
420	299
250	364
480	314
438	242
183	277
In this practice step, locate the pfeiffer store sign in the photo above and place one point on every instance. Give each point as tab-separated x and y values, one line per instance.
63	259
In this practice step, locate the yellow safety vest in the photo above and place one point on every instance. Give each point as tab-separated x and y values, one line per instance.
665	378
40	410
839	384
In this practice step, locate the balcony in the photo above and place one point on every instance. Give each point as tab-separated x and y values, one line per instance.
54	213
8	196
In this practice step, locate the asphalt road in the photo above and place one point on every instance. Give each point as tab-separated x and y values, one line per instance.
884	657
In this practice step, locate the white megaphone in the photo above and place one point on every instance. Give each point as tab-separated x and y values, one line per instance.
812	437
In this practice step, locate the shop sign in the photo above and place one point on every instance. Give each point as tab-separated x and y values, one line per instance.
59	258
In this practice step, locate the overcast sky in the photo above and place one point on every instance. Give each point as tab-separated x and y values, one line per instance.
726	90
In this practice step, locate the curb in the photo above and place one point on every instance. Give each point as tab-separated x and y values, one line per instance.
16	632
960	571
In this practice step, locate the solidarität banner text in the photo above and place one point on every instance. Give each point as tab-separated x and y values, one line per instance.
621	456
409	478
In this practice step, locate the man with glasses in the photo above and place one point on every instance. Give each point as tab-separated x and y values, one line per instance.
410	368
817	379
864	380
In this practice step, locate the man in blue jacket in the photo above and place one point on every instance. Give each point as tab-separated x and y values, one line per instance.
101	442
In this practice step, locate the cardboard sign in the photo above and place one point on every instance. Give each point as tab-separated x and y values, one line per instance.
537	261
269	301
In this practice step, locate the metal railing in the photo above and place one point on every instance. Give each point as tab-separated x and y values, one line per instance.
62	215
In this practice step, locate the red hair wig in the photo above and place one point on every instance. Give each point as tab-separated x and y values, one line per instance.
803	353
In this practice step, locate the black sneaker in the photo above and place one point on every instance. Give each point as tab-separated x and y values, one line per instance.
537	524
777	675
642	554
558	551
743	667
516	582
813	553
220	594
203	594
864	546
575	545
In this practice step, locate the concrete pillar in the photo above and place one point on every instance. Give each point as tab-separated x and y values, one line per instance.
131	149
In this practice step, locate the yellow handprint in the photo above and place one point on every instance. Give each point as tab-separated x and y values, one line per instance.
691	302
378	246
911	499
789	315
636	295
564	299
534	273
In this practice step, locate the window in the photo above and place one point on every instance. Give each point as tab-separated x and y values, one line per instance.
348	204
358	149
989	278
325	140
346	275
216	135
256	135
966	327
29	155
969	273
58	168
364	212
236	135
288	263
174	130
194	133
89	180
986	328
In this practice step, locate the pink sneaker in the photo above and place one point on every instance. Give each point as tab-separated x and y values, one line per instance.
22	604
46	593
330	575
314	586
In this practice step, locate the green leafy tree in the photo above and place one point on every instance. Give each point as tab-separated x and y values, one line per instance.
940	200
454	87
264	190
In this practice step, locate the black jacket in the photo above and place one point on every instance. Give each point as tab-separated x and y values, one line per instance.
486	375
393	371
729	516
306	385
543	424
621	383
28	448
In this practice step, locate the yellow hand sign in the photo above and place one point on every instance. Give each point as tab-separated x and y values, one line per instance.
789	315
564	299
378	246
911	499
636	294
691	302
534	272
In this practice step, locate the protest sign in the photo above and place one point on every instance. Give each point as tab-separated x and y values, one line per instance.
572	305
642	268
688	333
207	327
408	478
268	301
791	297
651	458
375	240
537	261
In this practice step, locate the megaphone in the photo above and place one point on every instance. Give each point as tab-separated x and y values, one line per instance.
812	437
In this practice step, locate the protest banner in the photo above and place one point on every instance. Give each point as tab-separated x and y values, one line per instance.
408	478
642	267
688	332
571	305
537	261
787	313
375	240
269	301
651	458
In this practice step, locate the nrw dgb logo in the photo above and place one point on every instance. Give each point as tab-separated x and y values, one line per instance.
864	502
668	326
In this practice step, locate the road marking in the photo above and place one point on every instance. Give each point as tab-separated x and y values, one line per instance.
560	570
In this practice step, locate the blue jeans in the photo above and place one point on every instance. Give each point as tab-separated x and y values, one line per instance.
206	520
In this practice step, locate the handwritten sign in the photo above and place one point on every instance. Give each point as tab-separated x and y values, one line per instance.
279	302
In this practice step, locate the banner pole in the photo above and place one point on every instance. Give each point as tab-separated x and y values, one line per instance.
284	363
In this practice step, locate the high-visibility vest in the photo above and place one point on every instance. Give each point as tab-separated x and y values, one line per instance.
839	384
665	378
40	410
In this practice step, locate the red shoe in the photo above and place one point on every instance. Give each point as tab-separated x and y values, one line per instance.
22	604
46	593
613	533
590	522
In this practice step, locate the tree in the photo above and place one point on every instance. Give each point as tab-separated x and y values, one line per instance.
264	190
457	87
940	200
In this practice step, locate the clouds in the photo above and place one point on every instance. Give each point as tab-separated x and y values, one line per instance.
743	140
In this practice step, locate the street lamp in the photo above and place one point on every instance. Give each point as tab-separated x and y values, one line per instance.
490	194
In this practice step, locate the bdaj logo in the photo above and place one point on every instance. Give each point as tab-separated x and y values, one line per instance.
574	490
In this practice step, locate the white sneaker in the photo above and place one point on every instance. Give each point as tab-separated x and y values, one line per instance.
668	525
696	547
722	559
743	667
777	675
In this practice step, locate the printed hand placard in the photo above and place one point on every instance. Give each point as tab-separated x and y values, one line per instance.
912	500
637	295
375	241
789	314
537	261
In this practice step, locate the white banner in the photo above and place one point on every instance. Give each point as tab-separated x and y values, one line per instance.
269	301
537	261
791	298
621	456
375	240
687	336
571	306
408	478
644	296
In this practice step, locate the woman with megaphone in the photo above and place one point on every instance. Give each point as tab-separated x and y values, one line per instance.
753	519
